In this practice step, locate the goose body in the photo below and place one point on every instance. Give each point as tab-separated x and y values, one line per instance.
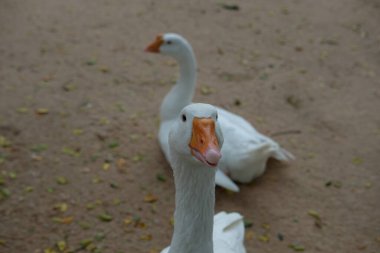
228	233
245	152
195	140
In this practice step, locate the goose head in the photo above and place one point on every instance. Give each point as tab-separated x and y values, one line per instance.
196	135
171	44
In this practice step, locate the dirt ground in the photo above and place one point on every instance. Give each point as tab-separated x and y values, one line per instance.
80	167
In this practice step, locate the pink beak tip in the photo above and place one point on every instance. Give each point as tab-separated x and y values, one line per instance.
213	156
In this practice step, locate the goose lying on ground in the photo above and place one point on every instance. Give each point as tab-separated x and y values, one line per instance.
245	151
195	139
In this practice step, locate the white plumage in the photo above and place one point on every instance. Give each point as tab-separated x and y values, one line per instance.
245	152
228	234
196	229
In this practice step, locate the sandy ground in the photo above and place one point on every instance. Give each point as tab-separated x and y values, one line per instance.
80	166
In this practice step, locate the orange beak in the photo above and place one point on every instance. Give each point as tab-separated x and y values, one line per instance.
154	47
204	143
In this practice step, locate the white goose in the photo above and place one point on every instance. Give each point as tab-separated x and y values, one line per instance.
195	140
245	151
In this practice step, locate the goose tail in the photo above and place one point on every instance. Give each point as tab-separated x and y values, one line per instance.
282	154
224	181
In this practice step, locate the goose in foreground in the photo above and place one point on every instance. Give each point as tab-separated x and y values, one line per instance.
195	139
245	151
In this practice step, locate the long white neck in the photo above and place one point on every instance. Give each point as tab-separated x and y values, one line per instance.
182	93
194	213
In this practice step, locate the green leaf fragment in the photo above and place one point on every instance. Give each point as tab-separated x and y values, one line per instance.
116	202
134	137
39	148
285	11
91	62
69	87
302	71
137	158
206	90
293	101
77	131
29	189
100	236
357	160
22	110
4	142
104	121
93	158
248	223
230	7
61	207
264	77
85	243
92	248
105	217
317	219
61	245
161	177
114	185
113	144
314	214
97	180
335	183
42	111
296	247
62	180
264	238
49	250
120	107
5	193
70	152
104	69
84	225
90	206
106	166
12	175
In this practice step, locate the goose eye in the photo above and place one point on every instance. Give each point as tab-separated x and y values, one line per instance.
169	42
183	117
